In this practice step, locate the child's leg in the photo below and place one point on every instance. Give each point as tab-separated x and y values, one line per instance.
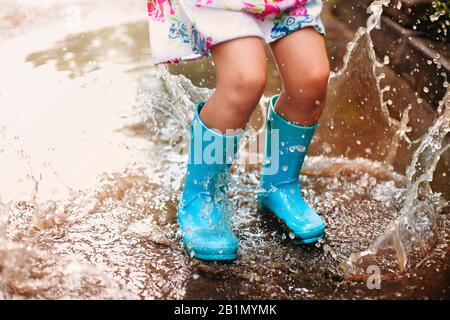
241	72
241	76
302	60
304	67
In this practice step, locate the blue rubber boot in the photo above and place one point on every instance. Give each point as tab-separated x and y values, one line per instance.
285	151
202	214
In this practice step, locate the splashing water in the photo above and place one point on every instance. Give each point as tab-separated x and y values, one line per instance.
414	232
376	10
118	238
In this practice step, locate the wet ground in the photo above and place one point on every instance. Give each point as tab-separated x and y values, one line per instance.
91	174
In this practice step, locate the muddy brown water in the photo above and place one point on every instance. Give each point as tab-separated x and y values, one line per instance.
90	211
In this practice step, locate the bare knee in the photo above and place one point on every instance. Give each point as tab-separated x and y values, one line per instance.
309	89
317	80
243	90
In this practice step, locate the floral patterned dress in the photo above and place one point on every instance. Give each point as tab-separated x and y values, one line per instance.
182	30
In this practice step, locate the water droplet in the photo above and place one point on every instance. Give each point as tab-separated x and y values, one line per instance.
434	17
292	235
299	148
284	168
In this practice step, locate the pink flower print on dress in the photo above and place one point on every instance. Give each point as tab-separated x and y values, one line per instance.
203	3
261	10
299	10
208	43
156	9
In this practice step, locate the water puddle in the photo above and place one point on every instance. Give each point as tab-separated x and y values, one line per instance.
92	166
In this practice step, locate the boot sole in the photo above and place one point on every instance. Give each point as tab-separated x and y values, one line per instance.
221	258
297	240
211	257
301	241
